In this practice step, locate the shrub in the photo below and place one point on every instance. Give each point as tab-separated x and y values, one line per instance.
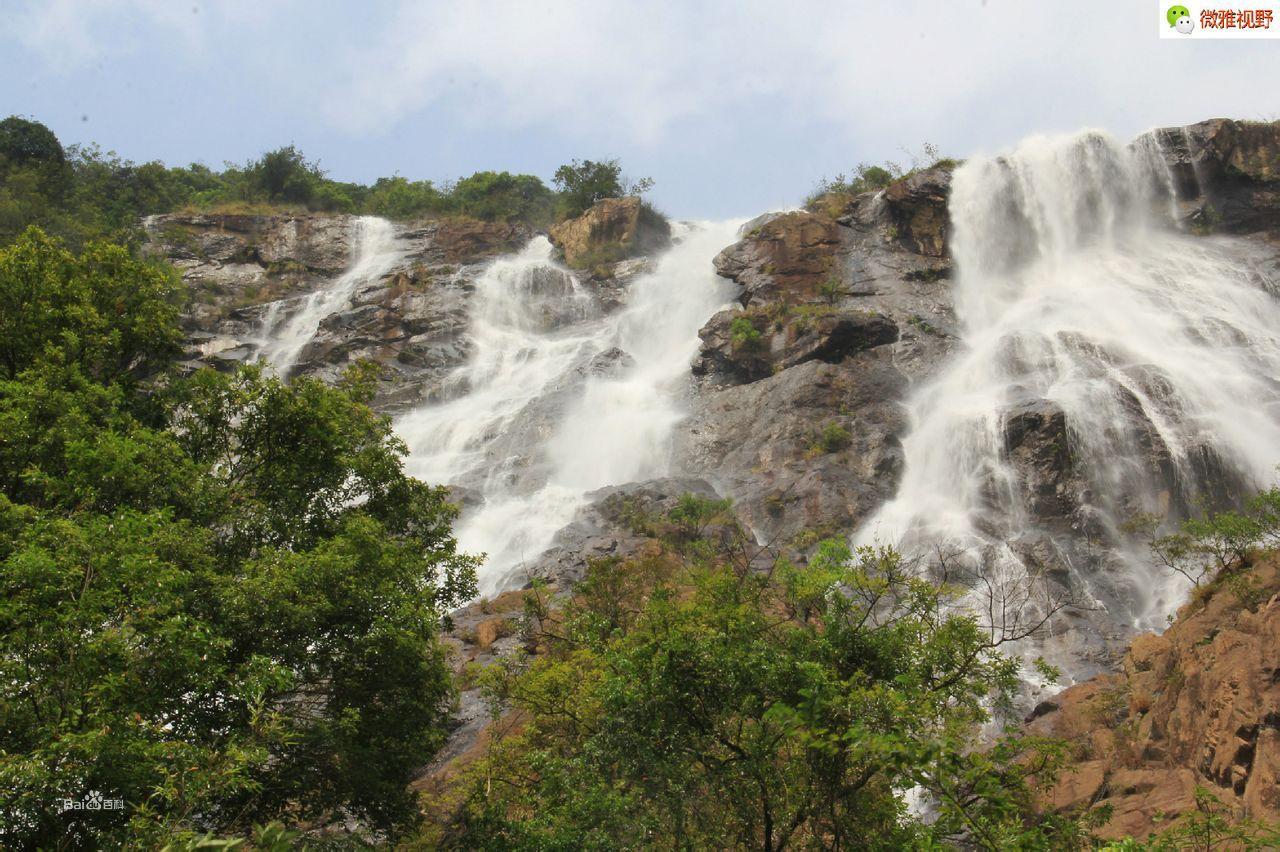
745	335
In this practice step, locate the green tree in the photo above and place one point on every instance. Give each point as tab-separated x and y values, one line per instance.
24	142
502	196
219	596
721	707
284	175
584	182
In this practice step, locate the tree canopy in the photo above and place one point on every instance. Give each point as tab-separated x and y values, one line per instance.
221	594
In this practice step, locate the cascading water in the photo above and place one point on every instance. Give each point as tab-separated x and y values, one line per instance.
285	334
1160	349
557	399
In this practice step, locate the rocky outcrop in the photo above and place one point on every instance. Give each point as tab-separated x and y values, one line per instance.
799	414
241	268
612	230
918	206
787	256
740	346
1198	706
467	241
1226	173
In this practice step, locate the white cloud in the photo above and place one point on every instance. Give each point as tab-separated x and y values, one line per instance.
636	69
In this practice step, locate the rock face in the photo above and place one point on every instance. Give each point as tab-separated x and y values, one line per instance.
1226	173
799	412
789	256
614	229
412	321
1197	706
918	207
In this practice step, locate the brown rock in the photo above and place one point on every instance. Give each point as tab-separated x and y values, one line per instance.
918	207
612	230
1227	172
471	240
1198	706
789	256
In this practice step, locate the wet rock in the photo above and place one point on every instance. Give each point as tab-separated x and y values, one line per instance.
611	362
612	230
806	453
606	526
1038	445
1227	173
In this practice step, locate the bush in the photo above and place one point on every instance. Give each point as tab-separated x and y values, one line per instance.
1204	548
744	334
835	438
502	196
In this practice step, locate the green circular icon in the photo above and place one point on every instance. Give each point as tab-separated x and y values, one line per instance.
1176	12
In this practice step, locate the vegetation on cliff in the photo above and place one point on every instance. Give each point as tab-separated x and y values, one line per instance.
80	193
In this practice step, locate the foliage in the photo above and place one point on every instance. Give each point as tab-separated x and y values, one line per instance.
502	196
1210	826
744	334
834	438
82	193
684	700
869	178
105	313
219	596
1217	542
584	182
23	142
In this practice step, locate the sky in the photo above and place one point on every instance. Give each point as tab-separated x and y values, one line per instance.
733	108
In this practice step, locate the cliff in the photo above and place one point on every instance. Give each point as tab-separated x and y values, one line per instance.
1197	706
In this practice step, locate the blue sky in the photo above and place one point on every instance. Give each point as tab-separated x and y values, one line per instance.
732	107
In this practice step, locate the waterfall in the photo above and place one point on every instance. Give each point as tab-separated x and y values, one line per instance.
1161	350
557	398
285	334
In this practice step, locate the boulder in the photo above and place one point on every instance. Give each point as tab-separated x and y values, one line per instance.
1038	446
612	230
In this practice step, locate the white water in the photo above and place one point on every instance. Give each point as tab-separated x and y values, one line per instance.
1075	287
536	423
285	334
